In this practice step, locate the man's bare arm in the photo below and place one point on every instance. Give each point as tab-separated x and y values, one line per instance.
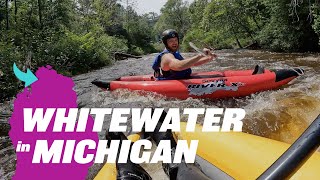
168	61
210	56
205	60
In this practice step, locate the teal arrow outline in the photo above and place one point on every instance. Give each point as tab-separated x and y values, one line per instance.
28	77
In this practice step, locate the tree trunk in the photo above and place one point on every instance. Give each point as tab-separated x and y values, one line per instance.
40	13
28	61
29	20
238	42
256	22
7	14
235	36
28	58
30	13
247	30
15	11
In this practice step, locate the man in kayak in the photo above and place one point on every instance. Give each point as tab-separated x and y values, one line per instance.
169	64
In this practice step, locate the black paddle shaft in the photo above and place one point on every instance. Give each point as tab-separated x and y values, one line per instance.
300	151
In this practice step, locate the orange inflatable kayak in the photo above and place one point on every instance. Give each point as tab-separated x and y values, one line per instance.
213	84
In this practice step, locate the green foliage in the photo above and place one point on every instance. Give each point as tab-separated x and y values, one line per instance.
196	12
73	36
225	21
276	25
211	39
288	32
174	16
159	46
78	54
138	38
316	14
8	53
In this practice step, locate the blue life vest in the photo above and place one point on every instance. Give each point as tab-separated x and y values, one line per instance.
169	75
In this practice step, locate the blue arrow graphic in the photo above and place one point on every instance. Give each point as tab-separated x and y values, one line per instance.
28	77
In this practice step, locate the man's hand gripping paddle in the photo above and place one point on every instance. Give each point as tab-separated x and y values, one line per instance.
197	49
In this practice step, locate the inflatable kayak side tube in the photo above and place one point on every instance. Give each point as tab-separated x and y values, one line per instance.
295	157
288	73
101	84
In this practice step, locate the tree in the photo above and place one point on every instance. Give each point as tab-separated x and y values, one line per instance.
196	12
288	32
228	19
277	25
174	16
316	15
7	14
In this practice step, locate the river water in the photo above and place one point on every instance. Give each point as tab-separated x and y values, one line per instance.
281	114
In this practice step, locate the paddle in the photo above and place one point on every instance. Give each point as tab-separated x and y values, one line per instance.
256	71
197	49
